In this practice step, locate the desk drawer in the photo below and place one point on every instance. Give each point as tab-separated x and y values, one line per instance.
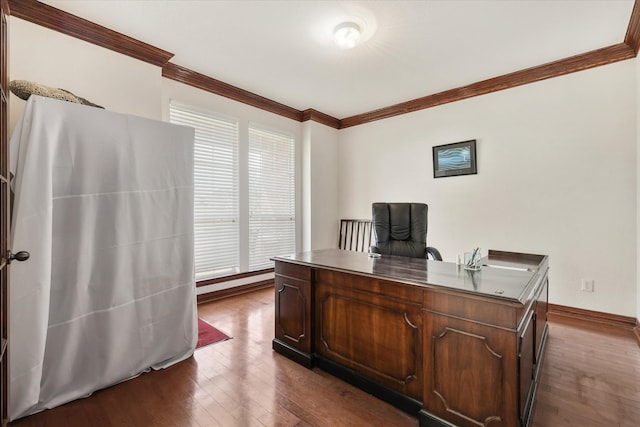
300	272
379	287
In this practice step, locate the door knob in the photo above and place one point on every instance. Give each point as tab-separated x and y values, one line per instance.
19	256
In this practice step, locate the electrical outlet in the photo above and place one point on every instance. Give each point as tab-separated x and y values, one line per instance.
587	285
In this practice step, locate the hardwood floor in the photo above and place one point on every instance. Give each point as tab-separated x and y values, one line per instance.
590	377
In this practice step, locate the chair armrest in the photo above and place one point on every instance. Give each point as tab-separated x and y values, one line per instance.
433	253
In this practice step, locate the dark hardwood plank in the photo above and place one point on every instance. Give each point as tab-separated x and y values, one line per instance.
590	378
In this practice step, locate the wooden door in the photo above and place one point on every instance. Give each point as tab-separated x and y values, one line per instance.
5	208
4	216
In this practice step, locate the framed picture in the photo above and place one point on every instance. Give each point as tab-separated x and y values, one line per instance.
455	159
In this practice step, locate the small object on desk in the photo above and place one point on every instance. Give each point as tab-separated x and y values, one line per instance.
472	260
374	255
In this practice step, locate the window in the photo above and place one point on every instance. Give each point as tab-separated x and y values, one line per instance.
216	213
263	179
271	196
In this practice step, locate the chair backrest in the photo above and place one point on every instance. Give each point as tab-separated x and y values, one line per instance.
355	235
400	229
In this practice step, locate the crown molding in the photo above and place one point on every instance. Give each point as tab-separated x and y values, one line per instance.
192	78
66	23
319	117
632	38
595	58
71	25
209	84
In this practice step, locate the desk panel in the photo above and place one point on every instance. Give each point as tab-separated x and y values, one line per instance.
376	335
470	372
449	346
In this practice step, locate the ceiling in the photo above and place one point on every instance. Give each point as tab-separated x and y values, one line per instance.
284	50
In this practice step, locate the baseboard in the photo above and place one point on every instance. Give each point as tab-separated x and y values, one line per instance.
599	317
554	309
236	290
229	278
293	353
382	392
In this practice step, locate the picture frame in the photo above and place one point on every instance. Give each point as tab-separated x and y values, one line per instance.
455	159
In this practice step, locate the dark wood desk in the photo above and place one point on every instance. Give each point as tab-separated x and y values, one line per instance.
452	346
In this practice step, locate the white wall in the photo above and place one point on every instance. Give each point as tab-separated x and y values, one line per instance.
126	85
245	114
320	189
117	82
556	175
556	160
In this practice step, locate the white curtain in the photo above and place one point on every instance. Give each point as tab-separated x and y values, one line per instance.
104	204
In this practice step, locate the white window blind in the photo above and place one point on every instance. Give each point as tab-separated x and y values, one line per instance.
271	196
216	209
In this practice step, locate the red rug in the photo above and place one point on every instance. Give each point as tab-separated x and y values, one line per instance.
207	334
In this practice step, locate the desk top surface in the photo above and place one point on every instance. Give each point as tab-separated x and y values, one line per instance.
504	275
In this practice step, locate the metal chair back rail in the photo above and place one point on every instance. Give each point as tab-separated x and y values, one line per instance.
355	235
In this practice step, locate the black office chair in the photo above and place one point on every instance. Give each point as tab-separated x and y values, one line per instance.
401	229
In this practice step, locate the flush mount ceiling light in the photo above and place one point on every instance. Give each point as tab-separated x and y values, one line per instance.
347	34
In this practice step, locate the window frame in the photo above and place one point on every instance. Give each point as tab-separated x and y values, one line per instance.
243	179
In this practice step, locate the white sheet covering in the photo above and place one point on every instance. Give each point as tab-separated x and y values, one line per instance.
104	204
